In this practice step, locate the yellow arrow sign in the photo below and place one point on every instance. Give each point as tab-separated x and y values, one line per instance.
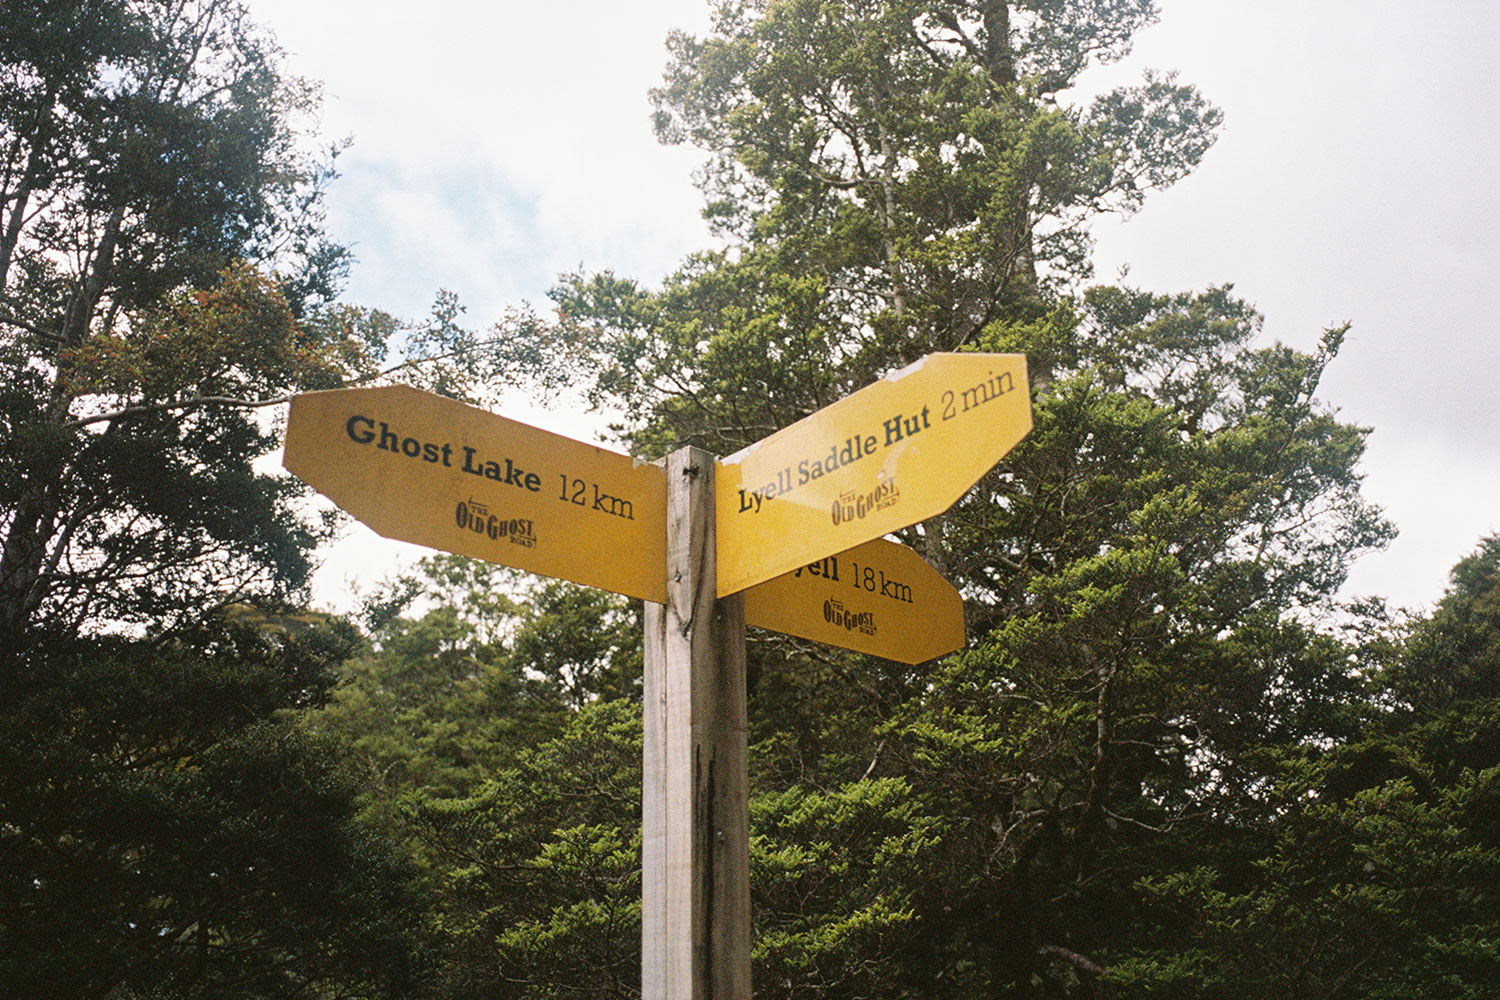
879	598
896	452
426	469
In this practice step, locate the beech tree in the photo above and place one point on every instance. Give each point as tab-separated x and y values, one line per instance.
151	150
499	730
890	179
1368	871
164	273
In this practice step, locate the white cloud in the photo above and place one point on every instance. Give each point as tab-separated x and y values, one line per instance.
506	141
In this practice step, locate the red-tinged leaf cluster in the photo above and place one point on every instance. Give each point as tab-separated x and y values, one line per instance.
238	338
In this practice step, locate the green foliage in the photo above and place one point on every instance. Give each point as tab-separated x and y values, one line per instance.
150	149
151	143
167	828
1453	658
484	669
540	867
836	874
499	730
1369	870
1385	893
1136	573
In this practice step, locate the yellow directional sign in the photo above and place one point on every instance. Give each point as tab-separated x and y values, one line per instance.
879	597
890	455
426	469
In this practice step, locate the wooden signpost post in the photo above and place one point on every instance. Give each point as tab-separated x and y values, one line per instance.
695	837
786	535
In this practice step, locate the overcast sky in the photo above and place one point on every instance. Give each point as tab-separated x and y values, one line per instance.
498	144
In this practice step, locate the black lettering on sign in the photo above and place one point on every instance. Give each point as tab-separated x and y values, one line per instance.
852	506
876	582
474	516
613	506
362	430
828	569
510	475
836	614
577	492
990	389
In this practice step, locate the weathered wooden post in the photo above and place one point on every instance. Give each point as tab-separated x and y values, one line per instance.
695	893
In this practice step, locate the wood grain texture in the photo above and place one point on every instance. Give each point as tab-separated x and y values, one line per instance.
695	917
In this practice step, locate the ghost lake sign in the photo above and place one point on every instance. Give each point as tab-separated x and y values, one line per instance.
786	535
430	470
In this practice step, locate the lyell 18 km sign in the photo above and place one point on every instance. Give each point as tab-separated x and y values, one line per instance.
879	598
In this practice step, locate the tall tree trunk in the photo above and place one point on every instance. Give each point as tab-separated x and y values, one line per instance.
1001	62
12	234
39	511
90	286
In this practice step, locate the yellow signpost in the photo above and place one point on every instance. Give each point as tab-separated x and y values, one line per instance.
426	469
897	452
879	598
795	521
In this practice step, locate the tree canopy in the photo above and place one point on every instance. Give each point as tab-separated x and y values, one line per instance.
890	179
164	274
160	236
169	828
166	825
